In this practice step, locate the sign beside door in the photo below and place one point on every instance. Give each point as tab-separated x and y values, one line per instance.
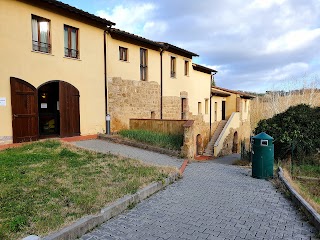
3	101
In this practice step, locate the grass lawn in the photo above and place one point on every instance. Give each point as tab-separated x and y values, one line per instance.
47	185
170	141
240	162
307	170
309	189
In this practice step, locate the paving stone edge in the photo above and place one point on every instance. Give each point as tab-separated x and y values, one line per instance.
88	223
313	216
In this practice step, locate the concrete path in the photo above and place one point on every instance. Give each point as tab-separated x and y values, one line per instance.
131	152
212	201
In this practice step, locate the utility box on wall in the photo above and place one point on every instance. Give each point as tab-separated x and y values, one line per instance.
262	156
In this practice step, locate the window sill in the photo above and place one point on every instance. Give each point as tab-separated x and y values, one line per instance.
173	77
44	53
77	59
124	61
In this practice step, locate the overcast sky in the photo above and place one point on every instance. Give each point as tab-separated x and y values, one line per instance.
256	45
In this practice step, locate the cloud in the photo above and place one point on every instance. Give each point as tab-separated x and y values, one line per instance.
248	42
293	40
154	28
265	4
132	17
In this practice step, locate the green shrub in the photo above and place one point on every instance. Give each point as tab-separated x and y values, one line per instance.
296	131
164	140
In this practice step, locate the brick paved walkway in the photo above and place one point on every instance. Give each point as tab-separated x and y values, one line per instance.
212	201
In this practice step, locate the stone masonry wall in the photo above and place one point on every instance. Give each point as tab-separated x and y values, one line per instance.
189	148
171	107
131	99
243	131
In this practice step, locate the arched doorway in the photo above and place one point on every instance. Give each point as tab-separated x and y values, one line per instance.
50	110
235	143
199	144
58	104
48	107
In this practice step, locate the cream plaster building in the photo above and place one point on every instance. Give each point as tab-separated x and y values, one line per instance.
148	79
52	77
64	69
230	121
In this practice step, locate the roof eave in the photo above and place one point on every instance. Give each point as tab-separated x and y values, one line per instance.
242	95
134	39
203	69
220	94
71	12
179	51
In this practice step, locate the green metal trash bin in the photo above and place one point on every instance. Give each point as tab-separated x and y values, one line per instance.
262	156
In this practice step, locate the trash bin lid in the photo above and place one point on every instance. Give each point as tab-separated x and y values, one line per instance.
263	135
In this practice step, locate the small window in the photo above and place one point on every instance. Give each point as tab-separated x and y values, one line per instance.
123	54
71	42
173	67
199	108
40	34
143	64
186	68
153	115
264	142
184	106
206	106
215	111
245	106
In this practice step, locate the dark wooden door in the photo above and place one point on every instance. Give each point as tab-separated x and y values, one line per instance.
199	144
223	110
184	105
69	110
24	105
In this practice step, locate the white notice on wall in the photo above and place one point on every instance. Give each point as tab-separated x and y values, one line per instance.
44	105
3	101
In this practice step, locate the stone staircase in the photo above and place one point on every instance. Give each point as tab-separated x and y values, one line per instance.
209	149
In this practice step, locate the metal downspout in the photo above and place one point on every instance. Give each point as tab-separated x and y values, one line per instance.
161	92
105	73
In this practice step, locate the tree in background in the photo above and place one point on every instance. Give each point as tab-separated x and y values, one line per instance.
275	102
297	131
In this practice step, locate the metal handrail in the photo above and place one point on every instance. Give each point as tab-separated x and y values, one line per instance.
41	46
69	52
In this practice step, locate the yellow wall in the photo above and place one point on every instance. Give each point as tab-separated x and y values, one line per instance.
18	60
219	107
130	70
172	86
245	109
196	84
199	90
231	105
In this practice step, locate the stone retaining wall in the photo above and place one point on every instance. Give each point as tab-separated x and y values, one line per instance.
193	127
244	132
